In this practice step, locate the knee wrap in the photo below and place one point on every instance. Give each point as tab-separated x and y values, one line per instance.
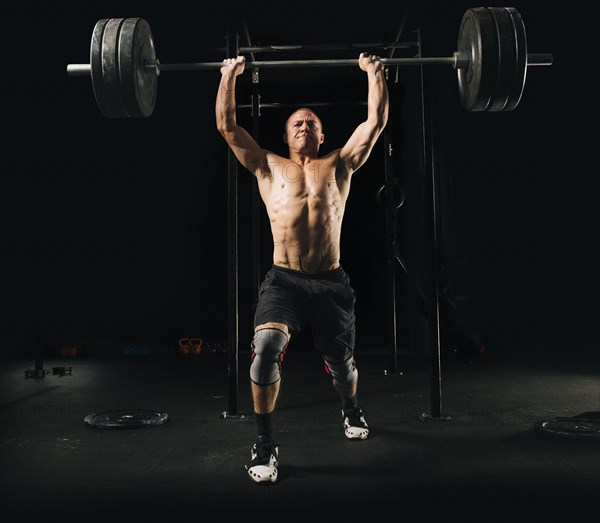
344	374
268	348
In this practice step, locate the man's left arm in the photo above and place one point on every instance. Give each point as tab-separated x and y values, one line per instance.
358	147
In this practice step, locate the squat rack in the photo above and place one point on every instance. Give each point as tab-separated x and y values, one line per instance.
429	159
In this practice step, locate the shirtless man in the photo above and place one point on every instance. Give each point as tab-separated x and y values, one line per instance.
305	197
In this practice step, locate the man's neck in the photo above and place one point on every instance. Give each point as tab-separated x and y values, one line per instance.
302	158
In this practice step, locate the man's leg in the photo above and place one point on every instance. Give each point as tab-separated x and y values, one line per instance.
266	365
268	347
344	375
265	397
348	393
333	328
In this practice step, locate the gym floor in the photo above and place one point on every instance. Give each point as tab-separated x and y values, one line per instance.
486	464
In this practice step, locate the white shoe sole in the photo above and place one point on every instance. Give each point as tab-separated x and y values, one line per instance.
263	473
356	433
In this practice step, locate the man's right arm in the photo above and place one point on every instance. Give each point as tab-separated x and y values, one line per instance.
245	148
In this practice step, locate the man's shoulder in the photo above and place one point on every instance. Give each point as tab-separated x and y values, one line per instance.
274	157
331	156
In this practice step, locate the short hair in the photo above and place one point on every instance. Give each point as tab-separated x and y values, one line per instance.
301	109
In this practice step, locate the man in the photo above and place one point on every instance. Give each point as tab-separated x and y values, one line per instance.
305	197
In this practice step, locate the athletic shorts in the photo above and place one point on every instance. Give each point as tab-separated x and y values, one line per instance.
323	300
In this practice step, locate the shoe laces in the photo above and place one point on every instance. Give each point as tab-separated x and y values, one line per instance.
264	449
354	415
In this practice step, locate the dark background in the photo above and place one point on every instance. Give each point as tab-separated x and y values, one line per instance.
115	229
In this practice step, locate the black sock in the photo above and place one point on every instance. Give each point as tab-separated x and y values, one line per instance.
264	425
349	403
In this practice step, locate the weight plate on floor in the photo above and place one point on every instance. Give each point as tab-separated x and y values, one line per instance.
477	40
126	419
138	81
518	84
582	427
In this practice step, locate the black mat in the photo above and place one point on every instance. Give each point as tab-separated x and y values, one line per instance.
484	465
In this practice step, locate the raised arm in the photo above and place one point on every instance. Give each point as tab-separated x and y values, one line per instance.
247	151
359	145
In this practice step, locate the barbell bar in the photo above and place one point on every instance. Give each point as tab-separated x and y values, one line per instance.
458	61
491	63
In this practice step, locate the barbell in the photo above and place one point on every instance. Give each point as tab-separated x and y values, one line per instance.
491	61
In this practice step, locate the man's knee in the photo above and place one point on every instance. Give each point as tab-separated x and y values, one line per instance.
274	325
268	348
344	373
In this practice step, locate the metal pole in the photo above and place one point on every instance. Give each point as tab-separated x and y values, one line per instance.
391	214
324	47
295	105
232	266
390	229
256	221
433	237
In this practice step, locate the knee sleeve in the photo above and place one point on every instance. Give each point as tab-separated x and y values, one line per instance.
344	374
268	348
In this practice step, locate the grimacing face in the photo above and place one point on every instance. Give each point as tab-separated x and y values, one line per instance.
303	129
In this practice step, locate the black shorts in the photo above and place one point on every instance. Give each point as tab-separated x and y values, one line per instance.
323	300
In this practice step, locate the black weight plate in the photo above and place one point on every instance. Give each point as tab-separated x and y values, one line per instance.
477	39
126	419
570	428
521	43
507	54
96	67
110	68
138	82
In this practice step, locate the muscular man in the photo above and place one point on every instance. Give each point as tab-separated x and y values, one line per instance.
305	196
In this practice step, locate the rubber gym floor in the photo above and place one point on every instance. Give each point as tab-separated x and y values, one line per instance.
486	463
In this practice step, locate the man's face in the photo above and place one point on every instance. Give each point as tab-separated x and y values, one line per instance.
304	130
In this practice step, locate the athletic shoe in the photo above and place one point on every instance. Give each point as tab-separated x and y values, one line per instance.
355	426
264	461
